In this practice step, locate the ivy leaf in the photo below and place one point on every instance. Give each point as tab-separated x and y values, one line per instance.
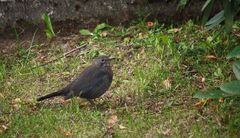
236	69
213	94
234	53
232	87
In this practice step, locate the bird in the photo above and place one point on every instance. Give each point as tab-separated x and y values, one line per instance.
92	82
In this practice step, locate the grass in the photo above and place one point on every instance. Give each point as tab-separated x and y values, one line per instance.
158	70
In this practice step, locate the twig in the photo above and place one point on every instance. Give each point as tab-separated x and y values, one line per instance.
65	54
75	49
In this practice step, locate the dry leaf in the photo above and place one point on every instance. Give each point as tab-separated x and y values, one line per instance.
174	30
221	100
17	106
122	127
112	121
140	35
166	132
167	83
16	100
3	128
104	34
202	79
9	83
202	103
211	57
67	133
199	103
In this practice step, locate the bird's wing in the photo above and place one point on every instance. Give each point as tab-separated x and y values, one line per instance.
97	87
92	79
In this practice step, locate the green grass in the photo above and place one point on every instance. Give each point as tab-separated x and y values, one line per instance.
157	71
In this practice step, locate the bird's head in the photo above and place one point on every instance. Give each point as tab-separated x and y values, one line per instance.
103	60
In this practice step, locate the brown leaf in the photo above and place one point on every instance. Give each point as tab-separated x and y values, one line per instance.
104	33
3	128
199	103
167	83
140	35
201	79
166	132
67	133
211	57
202	103
174	30
112	121
16	101
17	106
122	127
221	100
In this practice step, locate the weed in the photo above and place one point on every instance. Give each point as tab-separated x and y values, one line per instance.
49	28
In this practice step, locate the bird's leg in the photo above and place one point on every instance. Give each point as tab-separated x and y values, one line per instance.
91	102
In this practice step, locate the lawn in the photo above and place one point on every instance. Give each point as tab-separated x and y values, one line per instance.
157	71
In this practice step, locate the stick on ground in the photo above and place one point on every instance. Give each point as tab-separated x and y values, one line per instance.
65	54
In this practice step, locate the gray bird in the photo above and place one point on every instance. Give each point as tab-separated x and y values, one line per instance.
93	82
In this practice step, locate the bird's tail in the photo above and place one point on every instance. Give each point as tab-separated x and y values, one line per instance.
62	92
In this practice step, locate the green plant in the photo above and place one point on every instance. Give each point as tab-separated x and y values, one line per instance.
229	12
96	32
2	70
231	88
26	54
49	28
230	9
182	4
16	34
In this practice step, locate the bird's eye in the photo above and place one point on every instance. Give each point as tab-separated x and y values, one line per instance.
103	60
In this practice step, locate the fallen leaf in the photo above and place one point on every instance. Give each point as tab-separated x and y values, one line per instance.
211	57
202	79
166	132
199	104
167	83
122	127
202	103
67	133
174	30
17	106
16	100
3	128
9	83
112	121
221	100
104	33
140	35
